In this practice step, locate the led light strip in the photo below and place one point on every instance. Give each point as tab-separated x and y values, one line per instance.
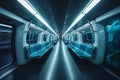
90	5
4	25
32	10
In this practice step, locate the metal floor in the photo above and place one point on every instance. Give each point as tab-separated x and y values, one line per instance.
59	64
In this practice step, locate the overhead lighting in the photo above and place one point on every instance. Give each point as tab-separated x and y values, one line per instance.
90	5
32	10
5	25
75	21
28	6
39	17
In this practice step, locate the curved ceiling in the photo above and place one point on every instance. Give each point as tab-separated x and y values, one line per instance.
59	13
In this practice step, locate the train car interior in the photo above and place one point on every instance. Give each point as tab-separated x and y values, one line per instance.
59	39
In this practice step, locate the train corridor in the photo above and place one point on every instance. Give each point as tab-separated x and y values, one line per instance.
59	64
59	40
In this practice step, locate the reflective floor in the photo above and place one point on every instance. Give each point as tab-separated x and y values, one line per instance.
59	64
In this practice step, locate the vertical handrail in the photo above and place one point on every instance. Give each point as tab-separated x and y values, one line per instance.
29	37
91	27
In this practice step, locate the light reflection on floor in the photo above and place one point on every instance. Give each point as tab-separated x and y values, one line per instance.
60	56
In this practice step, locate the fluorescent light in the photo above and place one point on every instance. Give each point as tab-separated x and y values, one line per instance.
75	21
5	25
39	17
31	9
27	6
92	4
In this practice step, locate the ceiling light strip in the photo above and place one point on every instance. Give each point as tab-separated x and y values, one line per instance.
5	25
27	6
90	5
32	10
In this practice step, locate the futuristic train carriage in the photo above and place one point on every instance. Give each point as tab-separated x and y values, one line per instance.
35	46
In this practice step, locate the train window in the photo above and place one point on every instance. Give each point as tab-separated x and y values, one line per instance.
113	44
32	36
6	56
44	37
75	37
87	36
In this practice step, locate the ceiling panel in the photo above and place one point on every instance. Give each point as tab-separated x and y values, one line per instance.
59	13
101	8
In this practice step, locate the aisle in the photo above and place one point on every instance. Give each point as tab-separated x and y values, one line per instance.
59	64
